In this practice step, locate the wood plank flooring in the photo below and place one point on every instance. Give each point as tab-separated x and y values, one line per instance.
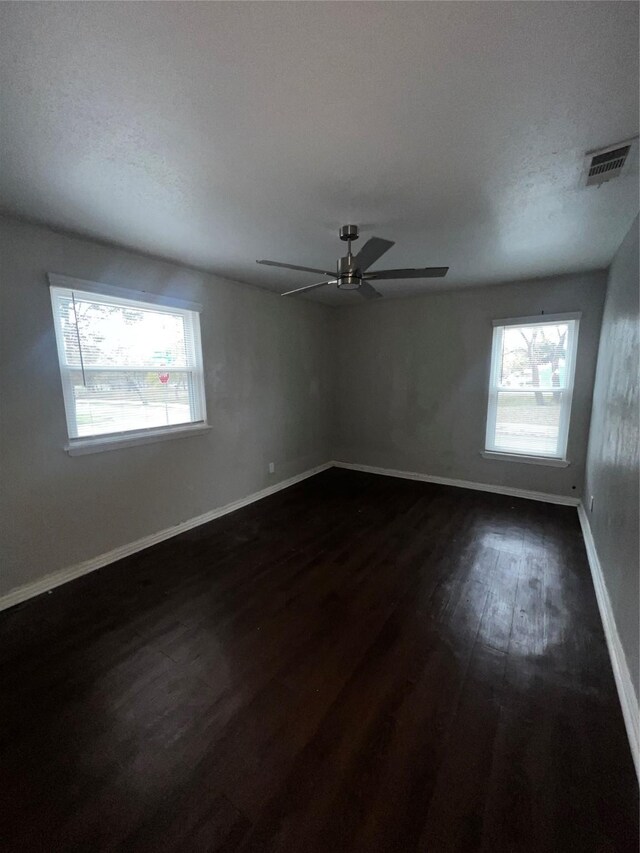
358	663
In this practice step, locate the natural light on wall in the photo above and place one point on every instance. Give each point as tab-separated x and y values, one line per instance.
127	365
531	386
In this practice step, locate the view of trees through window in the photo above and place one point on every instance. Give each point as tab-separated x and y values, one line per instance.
530	384
129	367
534	357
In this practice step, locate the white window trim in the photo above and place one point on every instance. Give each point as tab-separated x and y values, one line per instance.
490	451
112	441
65	281
551	461
116	441
538	319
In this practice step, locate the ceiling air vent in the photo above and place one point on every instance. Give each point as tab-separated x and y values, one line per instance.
605	164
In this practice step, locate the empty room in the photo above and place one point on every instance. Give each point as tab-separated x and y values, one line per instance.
319	427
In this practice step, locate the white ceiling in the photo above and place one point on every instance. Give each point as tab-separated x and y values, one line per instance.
218	133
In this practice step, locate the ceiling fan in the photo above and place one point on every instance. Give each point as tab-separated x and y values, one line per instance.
353	270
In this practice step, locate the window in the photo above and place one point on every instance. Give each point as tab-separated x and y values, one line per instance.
531	386
131	365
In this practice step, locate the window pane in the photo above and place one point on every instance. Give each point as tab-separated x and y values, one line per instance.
534	356
120	335
528	422
118	401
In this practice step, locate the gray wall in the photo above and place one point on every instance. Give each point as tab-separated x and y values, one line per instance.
268	399
412	380
612	462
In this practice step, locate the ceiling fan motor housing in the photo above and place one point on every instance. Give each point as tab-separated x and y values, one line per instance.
349	277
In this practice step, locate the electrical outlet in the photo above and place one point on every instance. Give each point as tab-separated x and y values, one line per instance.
591	504
272	468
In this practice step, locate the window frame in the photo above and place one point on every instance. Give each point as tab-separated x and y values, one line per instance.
491	450
81	445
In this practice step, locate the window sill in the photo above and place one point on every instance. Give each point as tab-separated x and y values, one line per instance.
98	444
529	460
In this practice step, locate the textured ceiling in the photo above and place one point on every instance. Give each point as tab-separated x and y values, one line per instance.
218	133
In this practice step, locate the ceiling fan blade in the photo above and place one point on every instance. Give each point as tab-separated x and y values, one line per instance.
368	292
308	287
294	267
426	272
371	251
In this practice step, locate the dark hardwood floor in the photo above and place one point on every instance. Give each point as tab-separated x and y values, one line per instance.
358	663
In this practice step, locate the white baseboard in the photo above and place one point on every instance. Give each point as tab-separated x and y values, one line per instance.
22	593
626	692
463	484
